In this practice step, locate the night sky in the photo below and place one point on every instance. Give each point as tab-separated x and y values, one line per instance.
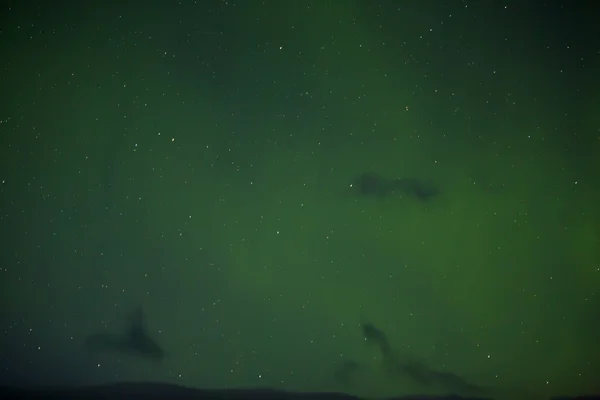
190	168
